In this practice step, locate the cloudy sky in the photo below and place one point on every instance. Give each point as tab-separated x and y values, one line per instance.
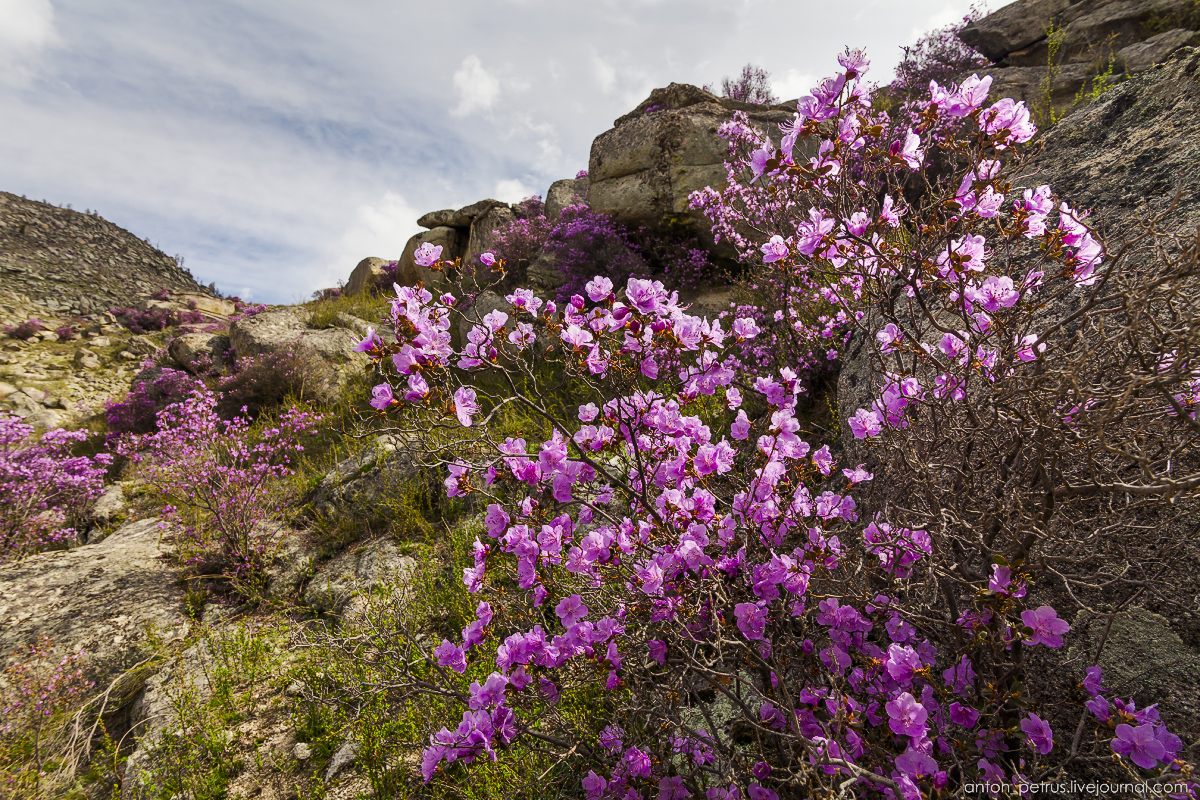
274	144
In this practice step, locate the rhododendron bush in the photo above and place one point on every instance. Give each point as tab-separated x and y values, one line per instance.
766	621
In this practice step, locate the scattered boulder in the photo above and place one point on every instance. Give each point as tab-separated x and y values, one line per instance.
87	359
340	586
1141	56
101	599
193	351
285	330
366	275
565	193
409	272
207	304
1014	27
109	507
344	757
360	480
484	227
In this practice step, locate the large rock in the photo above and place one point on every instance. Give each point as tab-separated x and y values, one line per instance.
484	228
1155	50
340	586
285	330
409	272
196	352
1094	29
104	599
367	274
643	170
1014	27
460	218
561	194
1030	85
362	480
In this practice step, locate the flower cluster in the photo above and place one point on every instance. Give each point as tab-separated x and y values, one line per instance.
218	477
43	487
686	535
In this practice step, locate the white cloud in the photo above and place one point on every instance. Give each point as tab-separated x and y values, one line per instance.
380	229
792	84
513	190
26	26
606	74
477	88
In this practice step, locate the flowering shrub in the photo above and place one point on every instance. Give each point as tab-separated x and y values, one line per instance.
584	242
767	621
64	332
25	330
35	696
143	321
138	411
43	488
752	86
265	381
939	56
218	478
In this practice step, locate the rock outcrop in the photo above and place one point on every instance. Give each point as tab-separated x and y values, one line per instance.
643	169
368	273
330	351
77	263
103	599
1056	54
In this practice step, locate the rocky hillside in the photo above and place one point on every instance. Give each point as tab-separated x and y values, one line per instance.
76	263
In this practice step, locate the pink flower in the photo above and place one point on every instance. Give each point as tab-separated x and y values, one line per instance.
823	460
381	396
570	610
449	655
906	716
1139	745
1041	738
465	405
487	259
751	620
427	254
369	342
1047	627
774	250
865	424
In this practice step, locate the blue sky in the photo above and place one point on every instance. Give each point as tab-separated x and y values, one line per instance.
275	144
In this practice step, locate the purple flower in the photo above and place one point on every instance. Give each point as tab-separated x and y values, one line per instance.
1139	745
824	460
449	655
757	792
369	342
570	610
1092	681
1041	738
915	764
487	259
593	786
1047	627
963	715
427	254
774	250
658	651
865	424
672	789
490	694
906	716
751	620
465	405
381	396
902	663
1099	707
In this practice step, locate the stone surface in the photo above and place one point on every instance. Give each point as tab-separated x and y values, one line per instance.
409	273
86	359
340	585
544	273
456	218
565	193
360	480
1013	27
344	757
483	230
99	598
1142	657
1028	84
1093	29
367	274
1143	55
109	507
643	169
285	330
191	351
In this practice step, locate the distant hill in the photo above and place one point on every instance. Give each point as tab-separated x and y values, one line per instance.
77	263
